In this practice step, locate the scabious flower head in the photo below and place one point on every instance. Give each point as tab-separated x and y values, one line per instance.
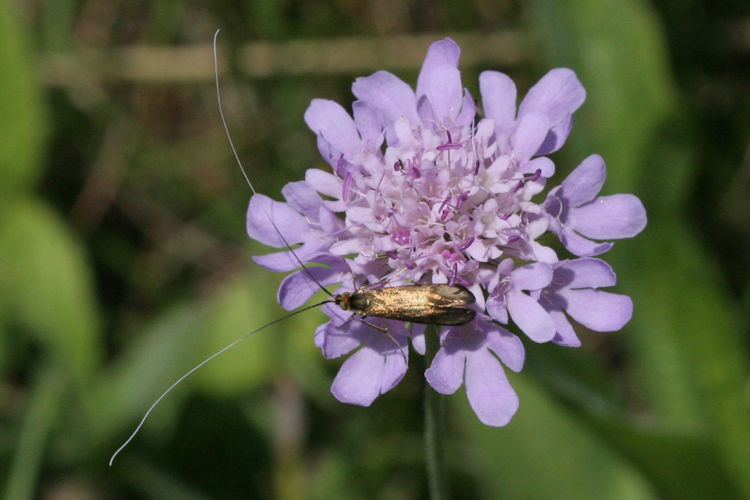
425	190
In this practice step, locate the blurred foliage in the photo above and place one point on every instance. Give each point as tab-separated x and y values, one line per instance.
123	258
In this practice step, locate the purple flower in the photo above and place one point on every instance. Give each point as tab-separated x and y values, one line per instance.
424	191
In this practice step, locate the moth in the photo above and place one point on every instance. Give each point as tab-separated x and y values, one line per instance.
427	304
437	304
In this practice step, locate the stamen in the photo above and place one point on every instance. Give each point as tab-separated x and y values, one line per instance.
466	244
340	166
346	188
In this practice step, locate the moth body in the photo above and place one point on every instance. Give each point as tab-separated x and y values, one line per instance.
431	304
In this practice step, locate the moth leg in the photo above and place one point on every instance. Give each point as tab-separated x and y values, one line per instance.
388	333
383	281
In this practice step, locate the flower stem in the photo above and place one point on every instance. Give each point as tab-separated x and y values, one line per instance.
434	413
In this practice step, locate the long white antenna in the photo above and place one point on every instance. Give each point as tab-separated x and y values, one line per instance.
244	172
226	348
224	122
196	367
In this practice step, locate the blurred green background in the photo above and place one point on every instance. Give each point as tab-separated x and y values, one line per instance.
124	260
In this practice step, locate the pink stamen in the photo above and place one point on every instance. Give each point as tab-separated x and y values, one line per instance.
346	188
466	244
340	166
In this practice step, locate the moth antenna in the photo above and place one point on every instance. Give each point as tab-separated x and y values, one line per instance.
244	172
199	365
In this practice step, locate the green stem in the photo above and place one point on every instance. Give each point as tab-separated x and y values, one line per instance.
434	413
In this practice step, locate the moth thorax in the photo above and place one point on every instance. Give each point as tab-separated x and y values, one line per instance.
358	302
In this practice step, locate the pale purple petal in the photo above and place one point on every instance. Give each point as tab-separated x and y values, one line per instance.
497	309
303	198
388	95
446	373
545	166
586	273
441	53
324	182
418	340
530	317
288	261
578	245
443	89
297	288
334	341
585	182
498	98
556	137
330	120
262	210
532	276
609	217
368	125
468	110
558	94
565	336
359	379
507	346
600	311
394	369
489	392
531	131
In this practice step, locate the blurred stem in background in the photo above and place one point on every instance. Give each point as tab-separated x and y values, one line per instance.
434	425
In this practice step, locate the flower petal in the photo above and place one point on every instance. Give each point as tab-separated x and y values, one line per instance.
600	311
532	276
530	317
556	137
545	166
585	182
335	341
388	95
297	288
394	369
609	217
263	214
490	394
302	198
586	273
418	341
324	182
358	381
507	346
558	94
498	98
529	135
578	245
444	91
565	336
330	120
443	52
446	373
368	125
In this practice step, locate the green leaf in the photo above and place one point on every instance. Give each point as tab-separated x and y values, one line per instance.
22	112
239	308
46	285
544	453
44	401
